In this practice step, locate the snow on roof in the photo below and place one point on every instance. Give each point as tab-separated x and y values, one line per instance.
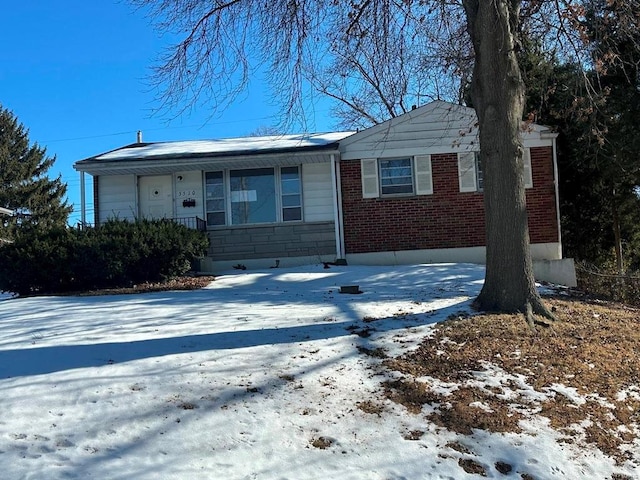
229	146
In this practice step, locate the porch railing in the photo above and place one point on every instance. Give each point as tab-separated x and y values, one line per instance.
195	223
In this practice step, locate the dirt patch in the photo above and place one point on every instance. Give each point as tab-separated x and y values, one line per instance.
321	442
179	283
361	332
459	447
469	408
503	468
378	352
410	393
370	407
413	435
471	466
582	374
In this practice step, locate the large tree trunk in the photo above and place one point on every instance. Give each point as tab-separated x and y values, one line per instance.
497	91
617	235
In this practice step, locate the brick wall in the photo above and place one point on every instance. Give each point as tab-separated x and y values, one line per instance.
541	199
445	219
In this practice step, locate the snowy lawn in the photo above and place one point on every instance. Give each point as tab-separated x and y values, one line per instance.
261	375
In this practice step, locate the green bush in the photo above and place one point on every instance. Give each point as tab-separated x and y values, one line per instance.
36	260
116	254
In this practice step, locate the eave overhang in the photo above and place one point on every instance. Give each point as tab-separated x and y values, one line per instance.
171	164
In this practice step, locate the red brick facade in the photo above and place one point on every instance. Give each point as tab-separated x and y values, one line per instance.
541	199
445	219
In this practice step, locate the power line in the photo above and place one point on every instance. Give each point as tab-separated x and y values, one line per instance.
86	138
129	132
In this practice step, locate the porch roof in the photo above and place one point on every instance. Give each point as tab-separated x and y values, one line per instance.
245	152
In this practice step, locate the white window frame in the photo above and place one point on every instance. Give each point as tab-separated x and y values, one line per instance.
281	193
421	176
223	198
277	170
382	161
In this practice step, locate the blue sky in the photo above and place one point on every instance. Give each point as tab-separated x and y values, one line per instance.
75	74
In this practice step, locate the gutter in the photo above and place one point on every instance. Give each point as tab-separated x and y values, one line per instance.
174	164
195	156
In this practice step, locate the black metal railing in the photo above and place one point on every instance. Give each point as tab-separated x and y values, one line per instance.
195	223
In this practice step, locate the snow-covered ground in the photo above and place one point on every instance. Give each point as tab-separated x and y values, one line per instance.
237	380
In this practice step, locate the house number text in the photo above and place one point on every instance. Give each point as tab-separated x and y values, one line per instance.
186	193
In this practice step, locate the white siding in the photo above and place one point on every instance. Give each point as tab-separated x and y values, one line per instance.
438	127
117	197
189	185
317	192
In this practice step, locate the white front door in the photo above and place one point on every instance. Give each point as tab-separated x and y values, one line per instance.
156	198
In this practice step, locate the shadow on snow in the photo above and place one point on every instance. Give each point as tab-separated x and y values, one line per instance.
433	282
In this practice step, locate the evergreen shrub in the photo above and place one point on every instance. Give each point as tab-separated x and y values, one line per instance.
116	254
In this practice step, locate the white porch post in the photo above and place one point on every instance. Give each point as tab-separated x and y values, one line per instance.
337	207
83	206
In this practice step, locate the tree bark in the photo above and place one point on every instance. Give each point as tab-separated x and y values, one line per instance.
498	95
617	235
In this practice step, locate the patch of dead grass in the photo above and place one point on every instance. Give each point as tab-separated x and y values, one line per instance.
321	442
378	352
411	394
179	283
460	447
459	412
471	466
594	349
370	407
413	435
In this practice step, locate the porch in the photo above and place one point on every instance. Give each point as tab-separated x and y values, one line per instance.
194	223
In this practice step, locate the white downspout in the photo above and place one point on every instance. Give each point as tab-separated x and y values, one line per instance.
557	185
83	206
337	207
343	251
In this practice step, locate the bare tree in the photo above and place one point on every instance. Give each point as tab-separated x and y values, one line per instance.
498	94
375	57
389	60
266	131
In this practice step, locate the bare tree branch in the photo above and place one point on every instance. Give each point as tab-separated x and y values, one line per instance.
377	57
